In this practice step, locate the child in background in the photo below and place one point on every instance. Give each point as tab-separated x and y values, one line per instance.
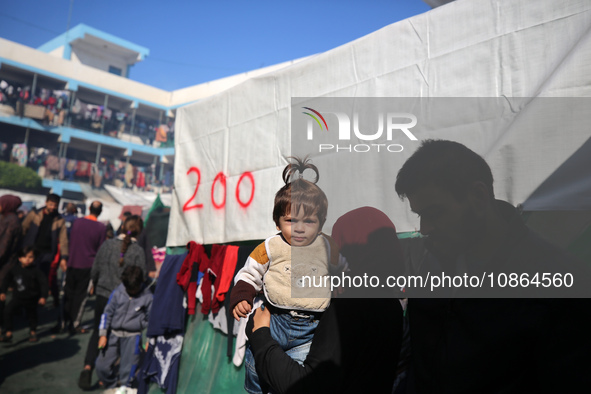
123	320
29	289
110	261
299	213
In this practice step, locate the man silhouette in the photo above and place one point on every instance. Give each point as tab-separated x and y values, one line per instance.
468	345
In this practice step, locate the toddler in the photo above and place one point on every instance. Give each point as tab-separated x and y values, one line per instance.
29	290
120	330
278	265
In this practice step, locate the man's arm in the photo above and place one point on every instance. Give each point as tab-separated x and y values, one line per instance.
63	240
27	222
281	372
347	354
107	315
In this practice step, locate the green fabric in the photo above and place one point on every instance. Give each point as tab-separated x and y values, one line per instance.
204	366
410	234
155	205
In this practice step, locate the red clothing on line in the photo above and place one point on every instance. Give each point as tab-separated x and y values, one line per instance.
227	274
211	278
187	276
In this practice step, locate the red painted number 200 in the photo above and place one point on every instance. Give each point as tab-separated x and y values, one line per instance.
220	179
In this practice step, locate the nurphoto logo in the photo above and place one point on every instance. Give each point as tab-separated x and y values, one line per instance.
396	123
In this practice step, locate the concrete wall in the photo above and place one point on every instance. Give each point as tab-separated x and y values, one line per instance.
58	52
79	72
23	56
97	59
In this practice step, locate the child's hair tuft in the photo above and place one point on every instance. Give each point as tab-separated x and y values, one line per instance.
303	194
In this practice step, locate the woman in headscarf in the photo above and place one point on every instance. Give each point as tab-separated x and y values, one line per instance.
10	236
10	226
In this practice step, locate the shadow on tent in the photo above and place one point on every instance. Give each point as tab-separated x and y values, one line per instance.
560	208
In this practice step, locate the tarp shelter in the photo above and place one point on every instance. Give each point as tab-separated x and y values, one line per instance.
231	148
136	197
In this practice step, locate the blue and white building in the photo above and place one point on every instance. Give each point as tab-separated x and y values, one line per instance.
72	99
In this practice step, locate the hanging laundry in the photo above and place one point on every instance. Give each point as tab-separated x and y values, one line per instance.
158	254
211	278
219	274
19	152
220	321
161	133
97	177
63	161
70	170
128	175
168	313
243	253
241	338
140	179
165	329
52	163
83	169
226	274
187	276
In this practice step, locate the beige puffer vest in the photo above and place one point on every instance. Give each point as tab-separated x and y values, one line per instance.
297	277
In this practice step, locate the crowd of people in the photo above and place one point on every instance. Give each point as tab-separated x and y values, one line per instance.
116	172
48	252
57	108
345	342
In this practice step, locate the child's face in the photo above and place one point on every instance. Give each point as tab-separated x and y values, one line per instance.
299	230
27	259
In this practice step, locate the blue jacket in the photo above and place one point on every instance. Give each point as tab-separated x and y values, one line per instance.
125	313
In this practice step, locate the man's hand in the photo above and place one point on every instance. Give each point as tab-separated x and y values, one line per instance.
242	309
261	318
102	342
41	301
2	297
91	291
63	265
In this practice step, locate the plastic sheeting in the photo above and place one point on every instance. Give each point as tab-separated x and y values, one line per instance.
130	197
231	148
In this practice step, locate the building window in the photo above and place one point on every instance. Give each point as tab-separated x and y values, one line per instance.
115	70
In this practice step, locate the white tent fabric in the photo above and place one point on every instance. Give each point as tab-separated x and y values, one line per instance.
130	197
468	48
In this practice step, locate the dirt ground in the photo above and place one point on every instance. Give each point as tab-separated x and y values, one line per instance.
51	365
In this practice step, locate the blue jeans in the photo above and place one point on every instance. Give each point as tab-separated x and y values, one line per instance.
294	335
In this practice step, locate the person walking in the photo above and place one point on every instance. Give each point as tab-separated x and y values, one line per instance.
111	260
86	237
